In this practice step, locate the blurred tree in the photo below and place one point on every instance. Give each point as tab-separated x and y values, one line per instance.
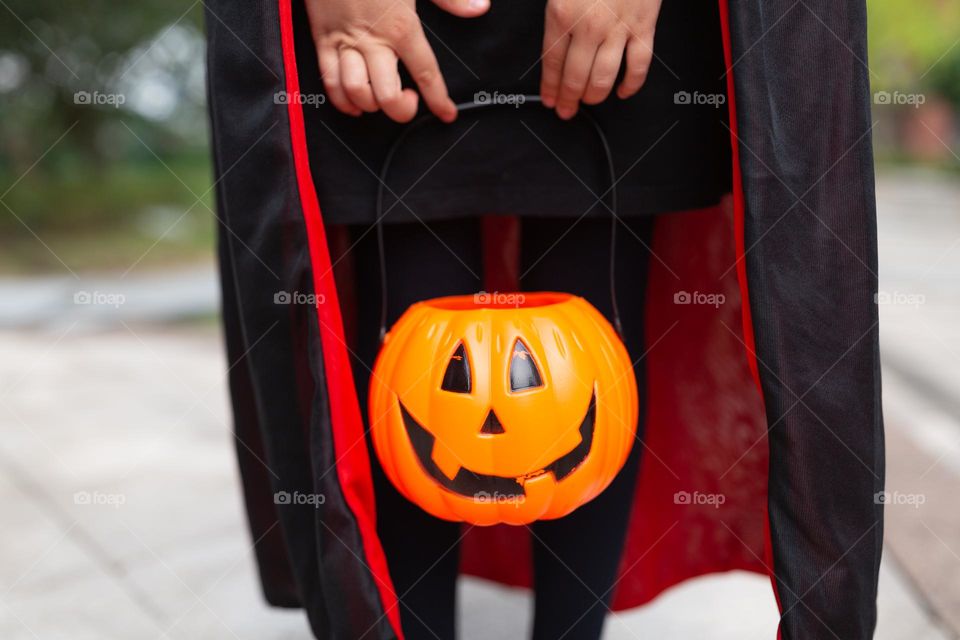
915	73
945	76
53	53
104	89
915	46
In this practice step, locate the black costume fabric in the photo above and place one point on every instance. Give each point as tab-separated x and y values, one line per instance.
670	140
798	455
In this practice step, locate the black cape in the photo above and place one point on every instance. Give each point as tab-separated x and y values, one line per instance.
771	399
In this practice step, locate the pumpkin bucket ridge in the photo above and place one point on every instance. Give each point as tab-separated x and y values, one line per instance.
499	301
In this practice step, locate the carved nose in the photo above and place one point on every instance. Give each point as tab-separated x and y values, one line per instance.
491	426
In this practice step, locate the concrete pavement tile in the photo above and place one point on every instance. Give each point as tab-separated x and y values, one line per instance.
130	443
210	590
922	521
489	610
94	608
919	249
36	547
902	613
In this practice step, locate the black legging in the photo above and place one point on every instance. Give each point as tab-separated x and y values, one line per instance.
576	557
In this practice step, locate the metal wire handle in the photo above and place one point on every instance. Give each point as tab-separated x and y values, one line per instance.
469	106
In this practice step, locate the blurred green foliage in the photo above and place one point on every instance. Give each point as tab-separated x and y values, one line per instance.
49	51
73	170
915	46
915	59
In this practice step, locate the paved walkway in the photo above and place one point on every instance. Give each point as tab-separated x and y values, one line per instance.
122	512
122	515
920	340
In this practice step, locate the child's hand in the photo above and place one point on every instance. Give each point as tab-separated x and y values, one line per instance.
359	43
583	45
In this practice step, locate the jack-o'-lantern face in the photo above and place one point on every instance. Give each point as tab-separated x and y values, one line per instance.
490	412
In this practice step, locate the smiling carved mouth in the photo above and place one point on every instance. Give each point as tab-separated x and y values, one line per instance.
470	484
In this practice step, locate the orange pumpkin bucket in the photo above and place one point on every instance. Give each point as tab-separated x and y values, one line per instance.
502	411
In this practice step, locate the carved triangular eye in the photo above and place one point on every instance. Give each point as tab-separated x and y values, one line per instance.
457	376
523	370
